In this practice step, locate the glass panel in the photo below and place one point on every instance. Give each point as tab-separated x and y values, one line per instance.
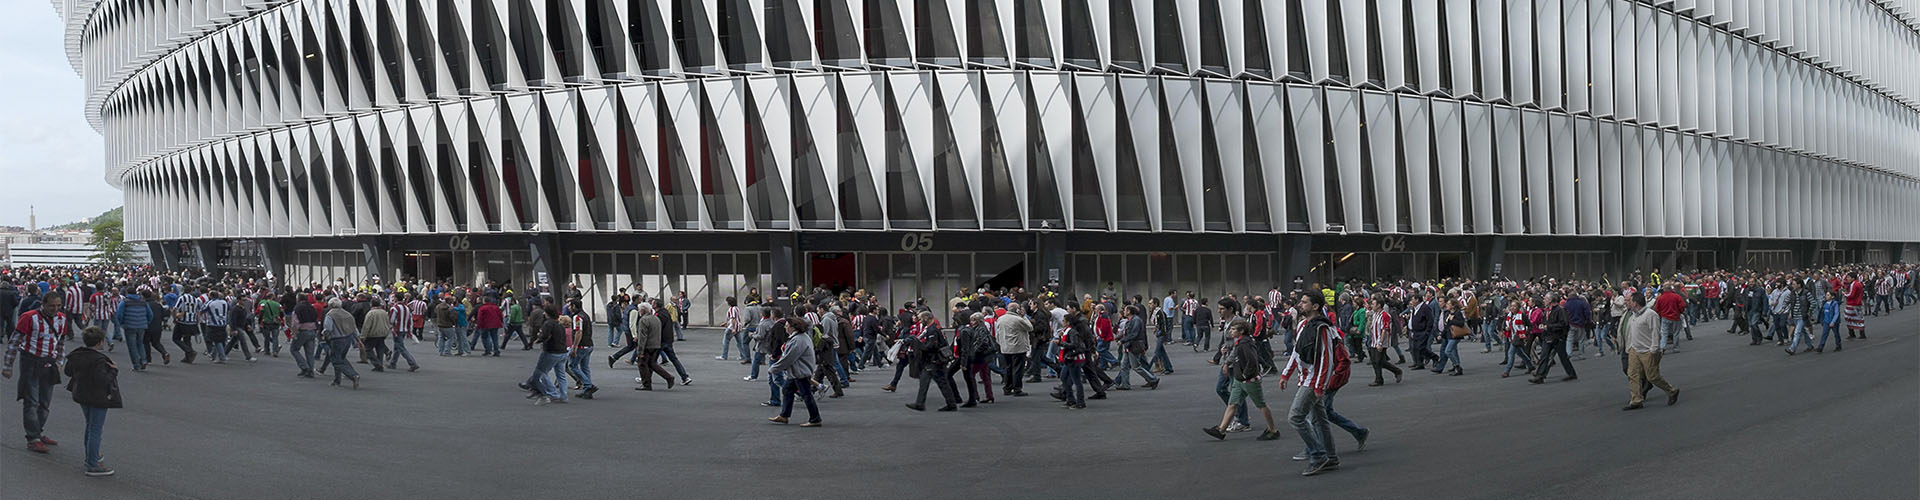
1212	279
1234	274
1086	272
1137	277
905	279
699	288
873	276
1187	273
1000	270
933	287
727	282
1112	273
1352	265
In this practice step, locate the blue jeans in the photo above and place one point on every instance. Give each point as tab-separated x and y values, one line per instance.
1826	329
580	366
1160	356
337	354
775	382
803	388
1800	332
217	351
1668	329
1221	387
1186	329
1338	420
616	333
733	337
1130	363
1515	350
443	339
1602	337
137	349
549	362
760	358
96	426
400	350
490	340
1779	330
1308	416
746	341
303	350
1107	359
36	388
1449	351
666	350
1070	383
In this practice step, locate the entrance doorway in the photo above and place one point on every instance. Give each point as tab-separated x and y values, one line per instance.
833	271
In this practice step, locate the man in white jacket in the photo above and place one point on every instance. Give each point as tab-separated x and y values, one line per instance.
1011	331
1640	329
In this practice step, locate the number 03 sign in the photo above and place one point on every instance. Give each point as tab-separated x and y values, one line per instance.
916	242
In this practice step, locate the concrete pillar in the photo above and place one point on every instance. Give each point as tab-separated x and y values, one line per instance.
549	265
1052	248
209	255
158	252
1635	261
273	256
783	255
1493	256
1899	255
1296	257
374	250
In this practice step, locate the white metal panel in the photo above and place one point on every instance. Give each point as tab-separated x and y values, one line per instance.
1140	101
911	98
728	99
1267	104
1490	15
1007	109
1599	59
1307	106
1560	151
1520	24
1537	195
1478	120
1315	21
1586	156
817	97
960	91
1416	143
1382	143
1099	109
1053	105
1183	106
1426	43
773	99
1228	118
1353	26
1548	42
1393	43
1343	120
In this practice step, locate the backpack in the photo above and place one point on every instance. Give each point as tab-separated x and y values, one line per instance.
1342	367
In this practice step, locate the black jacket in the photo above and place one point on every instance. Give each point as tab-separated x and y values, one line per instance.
1423	321
1133	335
1556	324
93	379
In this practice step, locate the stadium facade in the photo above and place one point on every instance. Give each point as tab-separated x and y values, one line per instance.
917	147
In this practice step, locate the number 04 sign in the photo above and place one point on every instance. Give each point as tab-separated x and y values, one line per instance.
916	242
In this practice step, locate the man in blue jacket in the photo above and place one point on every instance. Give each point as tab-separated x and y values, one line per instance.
133	316
1579	319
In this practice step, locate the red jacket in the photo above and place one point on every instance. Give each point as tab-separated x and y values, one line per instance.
1670	305
1104	328
487	317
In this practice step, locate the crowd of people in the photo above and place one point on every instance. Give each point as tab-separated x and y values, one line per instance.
819	342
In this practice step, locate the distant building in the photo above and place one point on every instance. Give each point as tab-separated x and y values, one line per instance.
65	248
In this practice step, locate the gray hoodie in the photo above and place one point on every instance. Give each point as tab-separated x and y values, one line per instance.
796	358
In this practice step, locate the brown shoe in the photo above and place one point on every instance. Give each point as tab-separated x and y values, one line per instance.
887	388
777	420
810	424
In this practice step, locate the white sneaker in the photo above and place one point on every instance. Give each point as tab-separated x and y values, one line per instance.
639	380
723	358
1239	427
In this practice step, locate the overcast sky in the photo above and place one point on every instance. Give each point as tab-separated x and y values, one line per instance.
49	157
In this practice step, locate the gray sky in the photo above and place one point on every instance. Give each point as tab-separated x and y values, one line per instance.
49	157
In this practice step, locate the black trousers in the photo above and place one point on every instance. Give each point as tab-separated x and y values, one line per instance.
1016	367
1422	347
183	335
1551	348
1379	362
941	376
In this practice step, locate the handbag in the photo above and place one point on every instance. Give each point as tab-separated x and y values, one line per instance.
1458	332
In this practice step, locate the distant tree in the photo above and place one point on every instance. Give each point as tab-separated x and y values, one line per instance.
109	243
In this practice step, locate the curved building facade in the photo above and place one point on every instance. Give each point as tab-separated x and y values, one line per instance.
1284	128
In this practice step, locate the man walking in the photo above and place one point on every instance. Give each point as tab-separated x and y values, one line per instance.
1133	345
1011	331
1554	335
646	333
36	342
1640	331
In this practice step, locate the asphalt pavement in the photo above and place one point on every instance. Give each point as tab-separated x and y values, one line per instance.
1752	422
